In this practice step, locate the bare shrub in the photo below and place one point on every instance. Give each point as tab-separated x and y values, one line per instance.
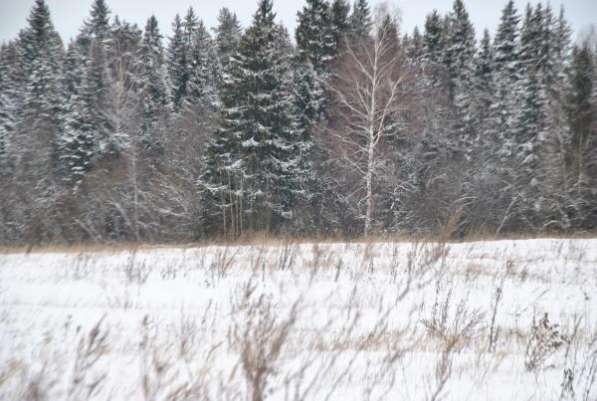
260	340
454	329
494	330
286	256
580	376
222	262
136	272
544	341
92	347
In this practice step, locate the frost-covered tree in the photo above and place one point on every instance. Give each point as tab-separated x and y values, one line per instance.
459	61
203	71
360	20
414	46
98	24
369	92
177	62
314	37
41	115
460	49
434	39
154	91
507	70
227	36
340	23
484	85
8	103
581	118
252	174
180	63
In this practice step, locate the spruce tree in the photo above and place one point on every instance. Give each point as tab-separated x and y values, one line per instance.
176	63
507	70
227	36
41	114
314	37
316	47
460	49
253	158
154	87
203	71
484	89
360	20
7	109
340	11
98	24
459	61
414	47
433	39
180	57
582	114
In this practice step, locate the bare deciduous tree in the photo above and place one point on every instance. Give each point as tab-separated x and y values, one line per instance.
369	93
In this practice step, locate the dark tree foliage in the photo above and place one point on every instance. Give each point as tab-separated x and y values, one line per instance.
136	134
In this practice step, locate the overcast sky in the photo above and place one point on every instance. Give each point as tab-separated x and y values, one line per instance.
68	14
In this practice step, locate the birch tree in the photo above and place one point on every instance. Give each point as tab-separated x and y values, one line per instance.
370	94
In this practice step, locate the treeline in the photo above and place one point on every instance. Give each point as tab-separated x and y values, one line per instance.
353	128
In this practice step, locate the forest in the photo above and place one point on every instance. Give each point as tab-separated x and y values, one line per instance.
349	127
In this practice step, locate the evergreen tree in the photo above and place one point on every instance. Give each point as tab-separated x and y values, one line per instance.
316	46
98	25
530	38
78	143
253	159
227	36
506	43
507	77
433	39
41	115
176	63
314	37
204	71
460	49
459	60
340	11
7	109
561	44
180	57
581	110
484	85
154	90
414	47
360	20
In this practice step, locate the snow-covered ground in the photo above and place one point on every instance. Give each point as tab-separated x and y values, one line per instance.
399	321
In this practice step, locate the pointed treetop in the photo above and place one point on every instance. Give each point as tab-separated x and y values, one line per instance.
265	14
39	19
340	11
152	26
99	22
40	36
508	28
506	39
228	21
360	19
228	28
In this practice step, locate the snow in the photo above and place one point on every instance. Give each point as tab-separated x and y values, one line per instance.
182	318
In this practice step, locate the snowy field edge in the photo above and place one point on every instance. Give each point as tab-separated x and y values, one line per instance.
490	320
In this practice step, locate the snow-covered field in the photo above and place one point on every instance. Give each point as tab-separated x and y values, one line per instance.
406	321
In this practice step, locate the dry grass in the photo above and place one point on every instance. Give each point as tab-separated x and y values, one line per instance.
276	352
272	240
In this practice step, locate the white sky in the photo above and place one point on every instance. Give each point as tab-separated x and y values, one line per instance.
69	14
